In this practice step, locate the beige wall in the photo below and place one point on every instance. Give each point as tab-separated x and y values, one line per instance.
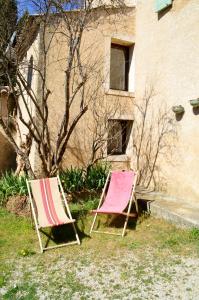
167	57
95	50
34	51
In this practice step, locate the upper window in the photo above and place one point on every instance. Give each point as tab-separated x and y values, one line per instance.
119	67
30	72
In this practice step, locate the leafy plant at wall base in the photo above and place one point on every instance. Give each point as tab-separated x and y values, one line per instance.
11	185
72	179
96	176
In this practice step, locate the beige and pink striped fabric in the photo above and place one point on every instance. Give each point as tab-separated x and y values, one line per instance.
50	210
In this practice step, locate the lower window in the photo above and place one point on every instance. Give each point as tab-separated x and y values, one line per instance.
118	136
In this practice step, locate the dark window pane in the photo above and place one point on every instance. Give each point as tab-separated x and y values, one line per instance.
117	137
119	67
30	72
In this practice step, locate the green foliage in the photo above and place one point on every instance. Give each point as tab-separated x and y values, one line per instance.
96	176
72	179
11	185
172	241
76	179
135	245
84	207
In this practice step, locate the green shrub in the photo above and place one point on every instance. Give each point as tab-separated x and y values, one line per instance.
11	185
96	176
76	180
72	179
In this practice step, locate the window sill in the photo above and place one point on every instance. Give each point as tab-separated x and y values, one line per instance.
122	157
120	93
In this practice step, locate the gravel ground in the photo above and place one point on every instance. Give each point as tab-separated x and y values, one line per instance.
122	275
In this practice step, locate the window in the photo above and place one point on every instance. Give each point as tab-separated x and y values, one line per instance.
30	72
119	67
118	136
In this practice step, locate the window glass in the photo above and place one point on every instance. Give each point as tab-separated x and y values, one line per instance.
30	72
119	67
117	137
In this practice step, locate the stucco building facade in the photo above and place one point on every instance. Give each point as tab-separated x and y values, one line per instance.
161	45
167	56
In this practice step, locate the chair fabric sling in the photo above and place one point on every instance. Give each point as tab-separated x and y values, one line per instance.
119	193
49	203
119	196
47	206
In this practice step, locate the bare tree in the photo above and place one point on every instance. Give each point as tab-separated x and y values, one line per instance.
31	105
102	112
153	137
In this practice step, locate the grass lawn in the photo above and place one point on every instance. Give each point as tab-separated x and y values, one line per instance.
155	260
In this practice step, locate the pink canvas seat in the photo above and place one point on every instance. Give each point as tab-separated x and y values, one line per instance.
118	194
47	203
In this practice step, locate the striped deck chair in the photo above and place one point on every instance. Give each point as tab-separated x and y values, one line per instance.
47	206
117	196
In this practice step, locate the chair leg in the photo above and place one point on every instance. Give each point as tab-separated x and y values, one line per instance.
39	237
49	236
76	234
94	220
136	204
127	216
125	224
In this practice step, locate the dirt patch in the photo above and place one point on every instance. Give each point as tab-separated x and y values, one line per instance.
19	205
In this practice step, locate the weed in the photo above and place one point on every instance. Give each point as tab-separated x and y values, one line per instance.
72	179
147	281
194	234
124	276
26	252
74	285
11	185
2	280
171	242
96	176
25	291
79	209
134	245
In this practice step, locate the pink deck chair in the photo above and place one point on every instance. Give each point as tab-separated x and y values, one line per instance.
47	204
118	194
